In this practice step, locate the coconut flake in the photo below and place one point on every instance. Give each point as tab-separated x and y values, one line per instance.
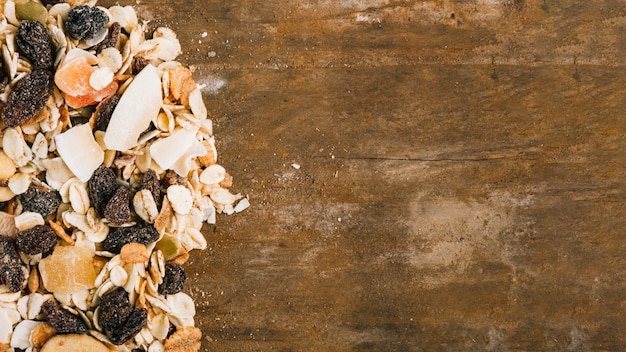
129	118
168	150
80	151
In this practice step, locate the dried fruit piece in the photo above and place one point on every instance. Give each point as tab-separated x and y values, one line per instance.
11	273
34	43
123	235
102	186
80	151
111	39
39	239
117	210
62	320
118	319
92	97
150	181
104	110
28	98
167	151
130	119
139	63
172	178
83	22
174	279
69	269
40	200
74	342
73	75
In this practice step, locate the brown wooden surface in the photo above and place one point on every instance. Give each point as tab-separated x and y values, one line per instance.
463	173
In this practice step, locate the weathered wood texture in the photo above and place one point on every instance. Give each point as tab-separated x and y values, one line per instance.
463	173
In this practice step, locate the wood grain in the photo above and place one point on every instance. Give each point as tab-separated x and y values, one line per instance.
462	181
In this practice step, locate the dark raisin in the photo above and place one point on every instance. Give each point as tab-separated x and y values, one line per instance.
40	200
39	239
136	321
118	237
150	181
104	111
114	309
51	2
4	80
174	279
110	41
117	210
172	178
83	22
11	273
102	186
118	319
139	63
62	320
34	43
27	98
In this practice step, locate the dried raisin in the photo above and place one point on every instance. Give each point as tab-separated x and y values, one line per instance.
34	43
150	181
51	2
62	320
39	239
174	279
11	273
28	98
104	111
117	238
4	80
172	178
83	22
117	210
139	63
110	41
118	319
102	186
39	200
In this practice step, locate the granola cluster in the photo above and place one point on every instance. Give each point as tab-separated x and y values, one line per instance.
108	171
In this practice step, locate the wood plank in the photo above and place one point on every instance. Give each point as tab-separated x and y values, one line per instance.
462	180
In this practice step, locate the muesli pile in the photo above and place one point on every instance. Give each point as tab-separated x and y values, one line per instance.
108	170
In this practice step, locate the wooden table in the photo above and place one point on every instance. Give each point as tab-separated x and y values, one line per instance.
462	173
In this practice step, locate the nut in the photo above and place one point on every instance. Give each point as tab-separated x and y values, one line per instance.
74	342
134	253
60	231
41	334
185	339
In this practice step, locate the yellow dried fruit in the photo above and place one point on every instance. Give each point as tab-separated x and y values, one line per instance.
69	269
